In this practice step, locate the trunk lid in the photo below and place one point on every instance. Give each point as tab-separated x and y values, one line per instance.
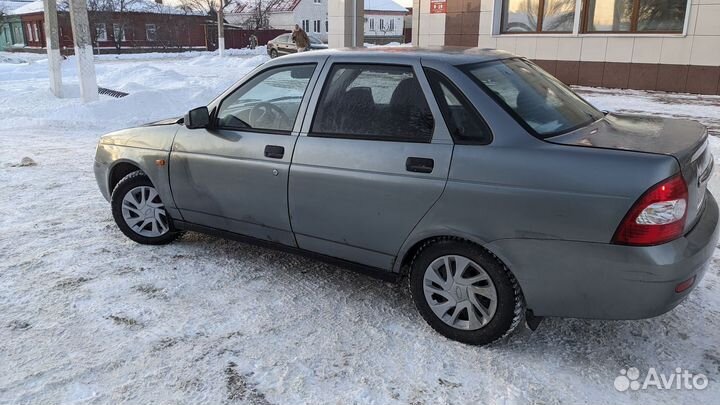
685	140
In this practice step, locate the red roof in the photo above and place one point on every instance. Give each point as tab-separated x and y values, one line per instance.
277	6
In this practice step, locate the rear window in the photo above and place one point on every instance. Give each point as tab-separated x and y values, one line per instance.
537	100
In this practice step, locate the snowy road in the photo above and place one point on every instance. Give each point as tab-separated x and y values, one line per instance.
87	316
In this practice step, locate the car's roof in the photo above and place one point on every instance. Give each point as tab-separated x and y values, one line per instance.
449	54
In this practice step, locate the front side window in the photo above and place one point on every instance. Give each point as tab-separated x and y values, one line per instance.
538	16
377	102
635	15
537	100
268	102
462	119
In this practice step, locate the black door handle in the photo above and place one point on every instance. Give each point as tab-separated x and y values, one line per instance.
419	165
274	151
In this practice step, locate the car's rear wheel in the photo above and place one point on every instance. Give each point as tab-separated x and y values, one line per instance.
273	53
140	213
464	292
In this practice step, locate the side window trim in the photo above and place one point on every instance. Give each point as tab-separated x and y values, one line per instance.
464	101
302	109
326	77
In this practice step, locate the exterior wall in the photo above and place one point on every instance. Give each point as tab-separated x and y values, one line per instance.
308	10
12	34
286	20
679	62
34	29
372	20
282	21
428	29
172	31
345	18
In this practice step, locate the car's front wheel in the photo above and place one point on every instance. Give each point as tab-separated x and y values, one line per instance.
140	213
273	53
464	292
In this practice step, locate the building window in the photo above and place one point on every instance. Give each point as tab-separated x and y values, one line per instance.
392	25
538	15
100	32
36	33
664	16
150	32
306	25
382	24
372	24
119	32
327	27
317	26
29	31
598	16
317	1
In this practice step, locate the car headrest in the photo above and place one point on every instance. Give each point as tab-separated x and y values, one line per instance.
407	93
360	97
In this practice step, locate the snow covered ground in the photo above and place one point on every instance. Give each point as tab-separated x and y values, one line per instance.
87	316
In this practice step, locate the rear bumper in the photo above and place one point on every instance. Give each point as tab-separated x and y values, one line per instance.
604	281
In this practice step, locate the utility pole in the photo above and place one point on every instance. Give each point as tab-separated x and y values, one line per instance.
221	29
52	39
83	50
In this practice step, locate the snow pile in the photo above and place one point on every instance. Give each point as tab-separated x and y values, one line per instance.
87	316
11	60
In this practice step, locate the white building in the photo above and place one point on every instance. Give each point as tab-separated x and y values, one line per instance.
284	14
384	19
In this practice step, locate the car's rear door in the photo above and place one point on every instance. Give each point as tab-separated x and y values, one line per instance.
370	163
233	176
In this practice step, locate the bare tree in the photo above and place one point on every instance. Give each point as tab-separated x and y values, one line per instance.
204	6
258	13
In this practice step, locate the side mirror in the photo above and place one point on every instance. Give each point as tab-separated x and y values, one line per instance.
197	118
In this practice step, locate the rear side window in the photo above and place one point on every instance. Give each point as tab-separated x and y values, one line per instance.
375	102
462	119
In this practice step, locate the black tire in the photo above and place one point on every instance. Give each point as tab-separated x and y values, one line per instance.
124	186
510	307
273	53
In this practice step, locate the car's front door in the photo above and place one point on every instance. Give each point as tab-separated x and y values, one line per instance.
370	165
233	175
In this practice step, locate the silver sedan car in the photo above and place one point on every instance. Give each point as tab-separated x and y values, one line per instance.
503	196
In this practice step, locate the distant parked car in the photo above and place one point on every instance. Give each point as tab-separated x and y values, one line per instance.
284	45
498	191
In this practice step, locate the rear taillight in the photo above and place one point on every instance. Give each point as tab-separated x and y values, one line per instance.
657	217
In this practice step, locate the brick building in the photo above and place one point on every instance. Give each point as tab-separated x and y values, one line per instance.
669	45
144	26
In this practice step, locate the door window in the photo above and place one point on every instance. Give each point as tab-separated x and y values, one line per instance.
463	121
268	102
377	102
